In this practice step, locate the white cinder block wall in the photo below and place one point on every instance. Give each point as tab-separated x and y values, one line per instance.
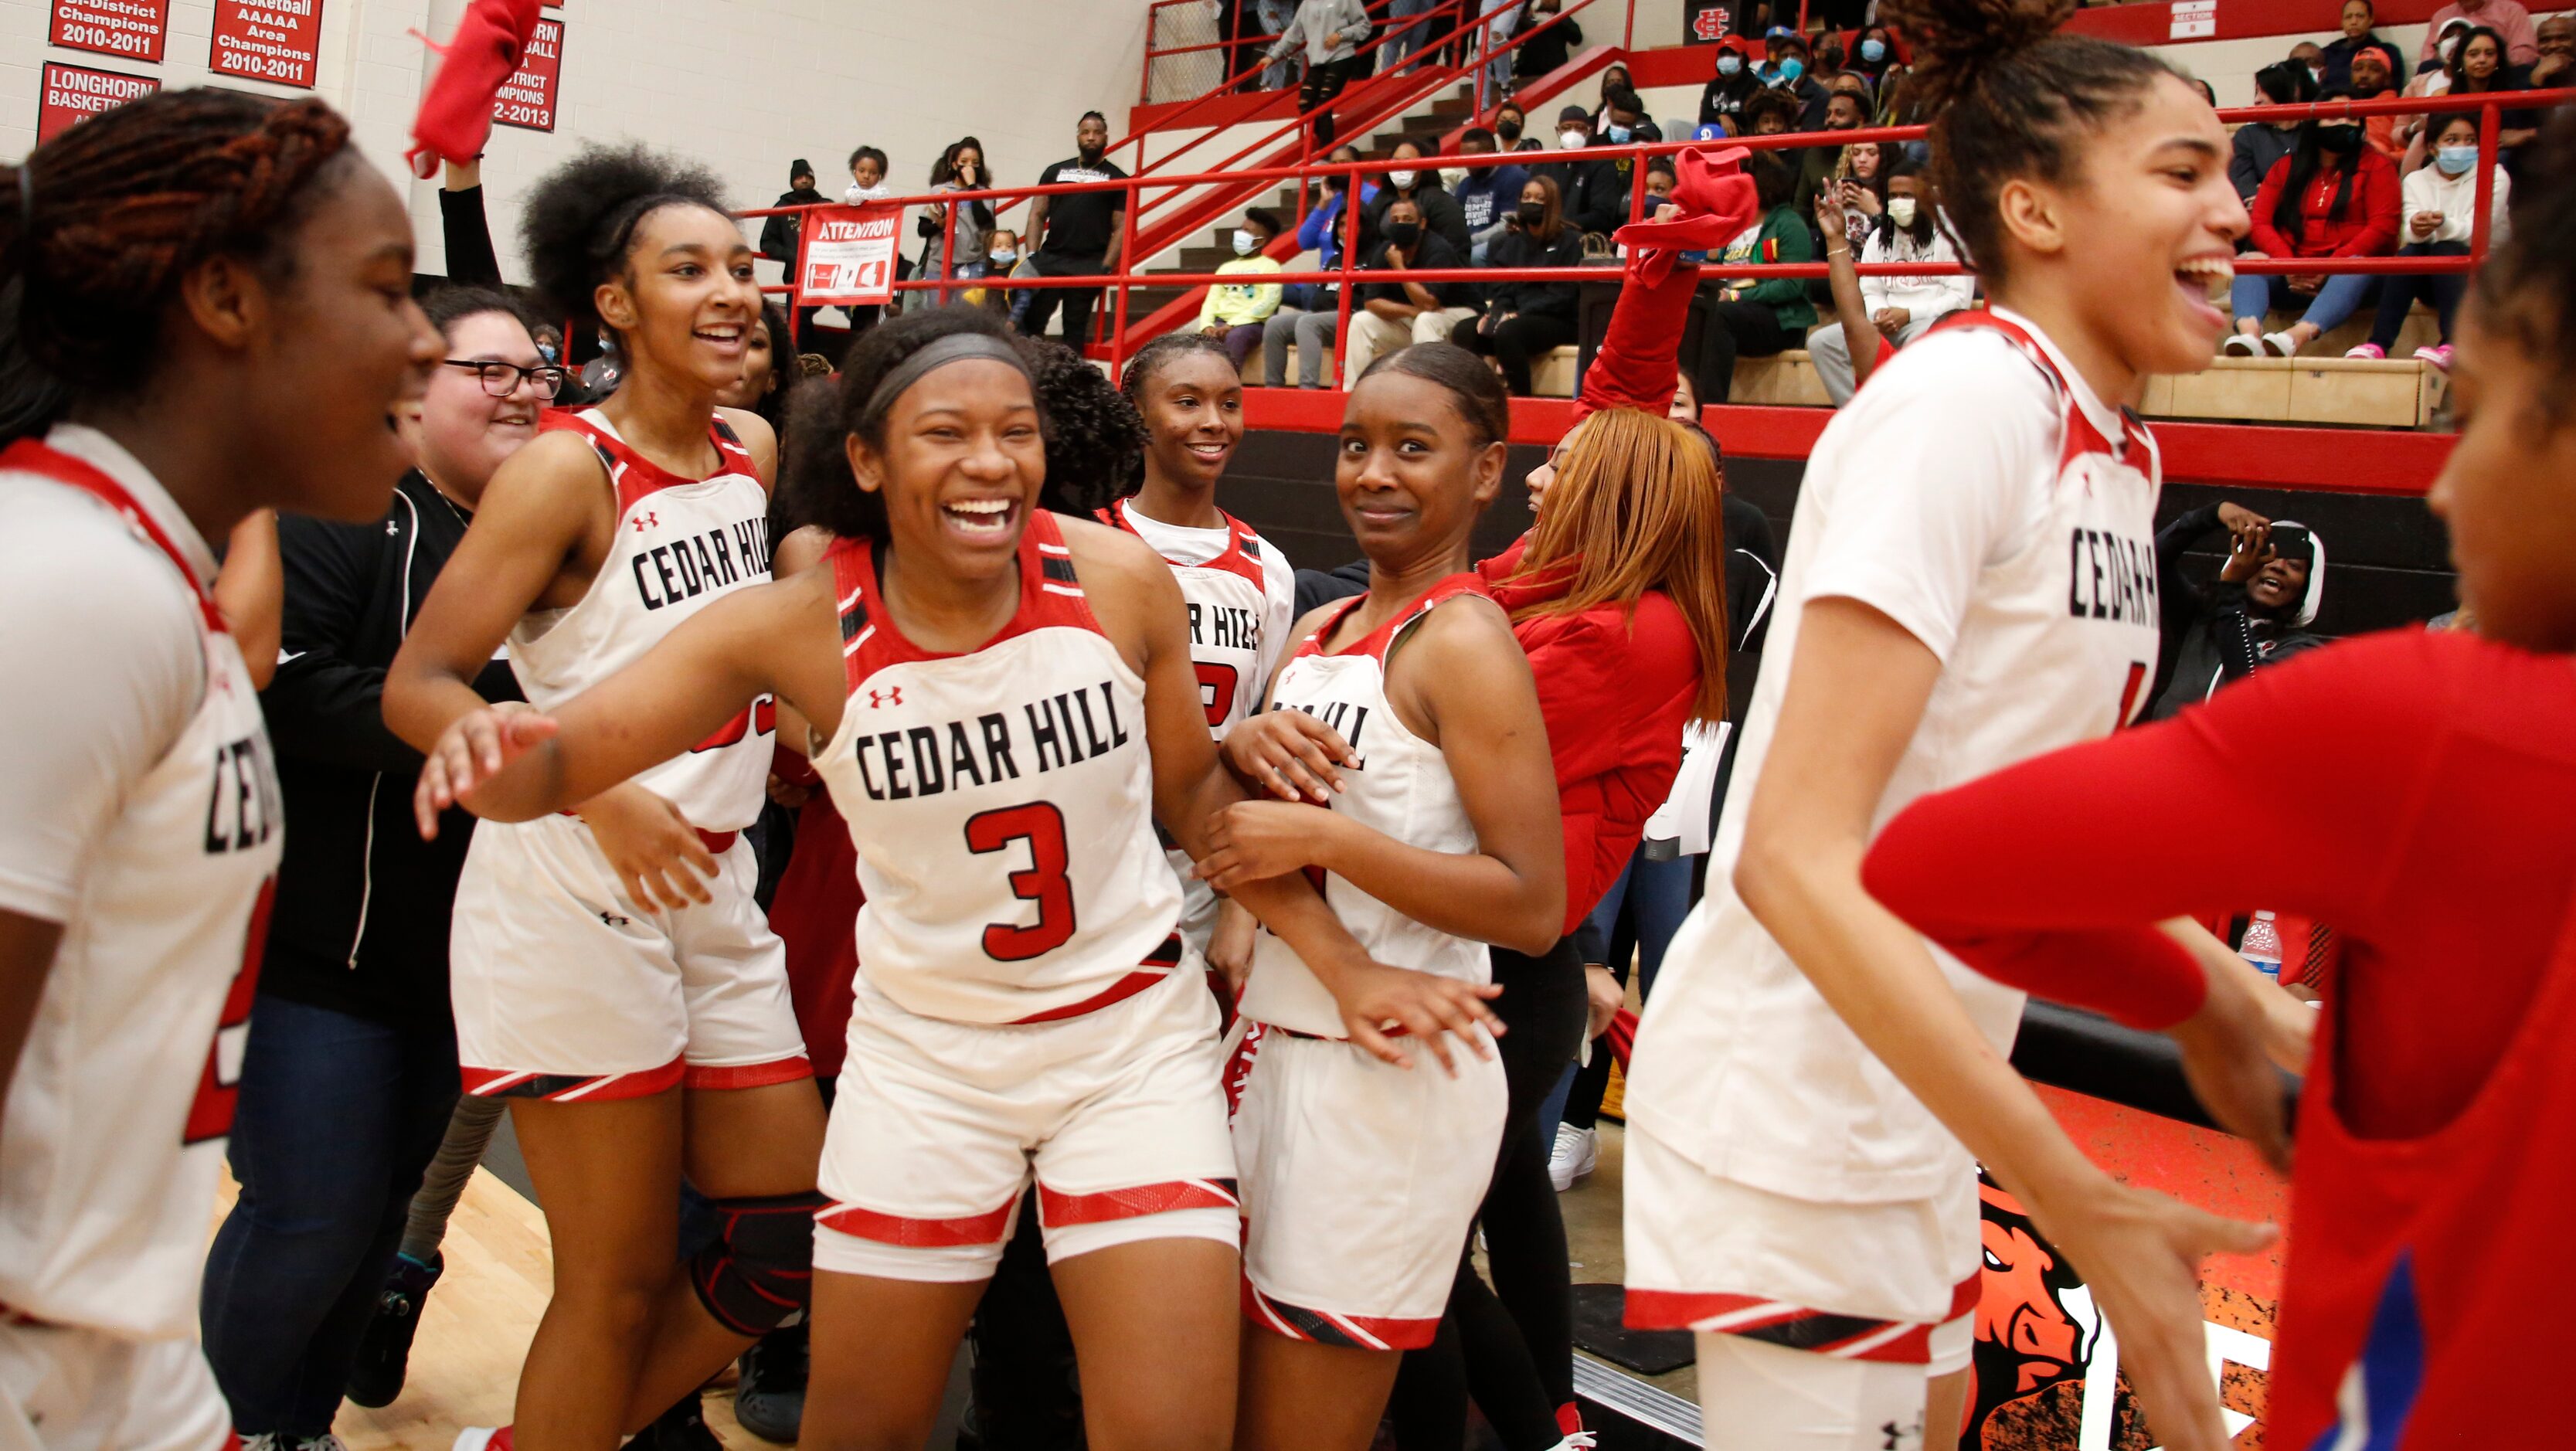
743	86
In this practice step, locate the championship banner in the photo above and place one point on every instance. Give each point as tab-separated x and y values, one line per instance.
72	94
848	256
1706	22
527	99
267	40
133	29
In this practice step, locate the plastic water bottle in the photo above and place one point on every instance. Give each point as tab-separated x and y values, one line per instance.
2263	945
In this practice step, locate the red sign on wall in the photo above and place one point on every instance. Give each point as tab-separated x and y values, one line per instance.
267	40
528	99
73	94
133	29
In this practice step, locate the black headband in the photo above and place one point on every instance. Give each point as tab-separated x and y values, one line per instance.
954	348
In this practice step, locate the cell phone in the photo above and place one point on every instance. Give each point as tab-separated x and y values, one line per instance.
2292	541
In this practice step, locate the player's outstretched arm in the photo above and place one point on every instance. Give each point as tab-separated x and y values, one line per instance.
1857	689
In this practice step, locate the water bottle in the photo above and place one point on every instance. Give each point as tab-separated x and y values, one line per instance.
2262	945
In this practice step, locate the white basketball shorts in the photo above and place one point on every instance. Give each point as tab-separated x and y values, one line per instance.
63	1388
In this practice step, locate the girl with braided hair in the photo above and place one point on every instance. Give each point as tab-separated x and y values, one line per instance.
205	310
1813	1084
614	980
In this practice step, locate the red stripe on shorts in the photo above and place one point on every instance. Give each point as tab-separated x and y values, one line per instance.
1323	1327
570	1087
748	1075
1782	1322
964	1229
1058	1210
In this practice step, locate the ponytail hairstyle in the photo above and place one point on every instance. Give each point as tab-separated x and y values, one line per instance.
580	223
1638	505
1150	359
1473	388
1095	438
2009	98
101	225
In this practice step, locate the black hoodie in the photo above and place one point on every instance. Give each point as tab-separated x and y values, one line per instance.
778	234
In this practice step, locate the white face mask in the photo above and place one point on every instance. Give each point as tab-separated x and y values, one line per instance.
1245	243
1571	140
1403	180
1453	177
1900	210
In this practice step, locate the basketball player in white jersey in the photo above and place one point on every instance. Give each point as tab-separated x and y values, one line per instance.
613	979
1003	703
1360	1178
165	378
1970	581
1241	591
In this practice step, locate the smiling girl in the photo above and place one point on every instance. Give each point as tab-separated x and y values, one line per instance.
1793	1193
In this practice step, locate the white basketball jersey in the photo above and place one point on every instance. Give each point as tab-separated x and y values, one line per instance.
681	544
1002	804
1401	787
2032	575
124	1093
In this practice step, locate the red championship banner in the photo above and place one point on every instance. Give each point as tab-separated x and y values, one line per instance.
73	94
267	40
133	29
527	100
848	257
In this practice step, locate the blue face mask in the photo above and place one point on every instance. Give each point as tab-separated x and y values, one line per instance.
1617	133
1791	69
1728	65
1873	51
2455	160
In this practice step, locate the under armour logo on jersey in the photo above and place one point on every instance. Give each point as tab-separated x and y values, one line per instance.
880	699
392	529
650	520
612	919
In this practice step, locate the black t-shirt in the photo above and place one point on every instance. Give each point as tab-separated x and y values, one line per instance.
1081	224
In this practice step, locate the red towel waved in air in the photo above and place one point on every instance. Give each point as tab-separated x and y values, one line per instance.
456	110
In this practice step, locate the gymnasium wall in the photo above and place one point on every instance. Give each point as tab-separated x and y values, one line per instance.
743	86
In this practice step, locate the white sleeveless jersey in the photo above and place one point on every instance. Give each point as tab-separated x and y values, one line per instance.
1002	804
1243	601
114	1136
681	544
1978	494
1401	787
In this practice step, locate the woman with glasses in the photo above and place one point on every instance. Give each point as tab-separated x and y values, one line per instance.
349	1073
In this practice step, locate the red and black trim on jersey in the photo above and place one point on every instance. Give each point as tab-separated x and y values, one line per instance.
2080	434
35	456
1050	595
1324	1327
634	476
1382	639
1056	1210
1241	557
1780	1322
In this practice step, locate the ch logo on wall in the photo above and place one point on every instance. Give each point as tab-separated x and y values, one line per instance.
1706	23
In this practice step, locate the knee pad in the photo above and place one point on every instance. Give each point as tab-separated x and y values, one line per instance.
760	1269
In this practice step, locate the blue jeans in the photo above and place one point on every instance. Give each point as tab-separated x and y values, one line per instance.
1274	16
337	1118
1640	913
1502	17
2342	295
1392	54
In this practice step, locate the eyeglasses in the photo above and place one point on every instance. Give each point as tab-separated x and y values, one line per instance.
502	379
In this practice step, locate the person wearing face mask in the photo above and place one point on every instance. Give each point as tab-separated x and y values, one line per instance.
1485	194
1573	133
1511	128
1601	187
1394	313
1875	56
1721	102
1310	311
1614	77
1785	70
2311	55
349	1073
2439	211
2332	196
959	168
1900	309
1524	321
2257	145
1441	214
1235	312
1001	259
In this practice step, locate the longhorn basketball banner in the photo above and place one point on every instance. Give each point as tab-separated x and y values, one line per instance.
848	256
72	94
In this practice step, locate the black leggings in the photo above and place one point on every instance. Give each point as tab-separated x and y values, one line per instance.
1323	83
2397	293
1518	341
1733	330
1510	1346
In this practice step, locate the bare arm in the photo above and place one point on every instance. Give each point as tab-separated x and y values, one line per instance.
1860	336
251	592
1856	693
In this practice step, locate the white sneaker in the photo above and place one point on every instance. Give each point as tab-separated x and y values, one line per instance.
2240	345
2280	345
1577	1152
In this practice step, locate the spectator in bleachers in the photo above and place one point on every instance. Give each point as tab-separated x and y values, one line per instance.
1485	194
1875	57
1573	134
2557	54
2256	613
1819	165
1614	77
2259	144
1721	102
2374	71
1600	201
1235	312
2313	56
2479	67
1524	321
2358	18
2332	196
2439	210
2507	19
1511	128
1544	51
1770	113
1660	181
1280	74
1310	310
779	235
1078	233
1899	308
867	183
1784	69
2432	78
1393	314
1001	259
1330	32
1758	319
1441	214
1323	233
959	168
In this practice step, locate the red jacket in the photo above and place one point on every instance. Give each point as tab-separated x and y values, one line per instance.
1615	692
2367	228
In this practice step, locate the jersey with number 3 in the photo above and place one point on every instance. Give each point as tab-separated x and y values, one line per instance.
1002	804
125	1089
1978	495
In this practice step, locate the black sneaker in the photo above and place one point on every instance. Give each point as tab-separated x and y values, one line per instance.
770	1402
682	1428
384	1347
